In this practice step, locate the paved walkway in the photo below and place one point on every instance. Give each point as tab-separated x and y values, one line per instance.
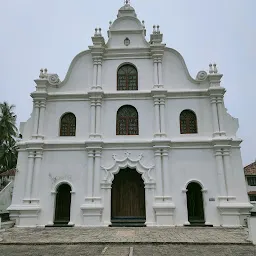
124	250
112	236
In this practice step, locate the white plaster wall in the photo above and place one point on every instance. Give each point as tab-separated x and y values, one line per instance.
198	165
238	183
175	76
145	73
79	75
20	178
6	197
145	113
202	109
136	41
54	112
59	166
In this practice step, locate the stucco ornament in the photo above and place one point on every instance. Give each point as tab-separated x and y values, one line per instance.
53	79
201	75
125	162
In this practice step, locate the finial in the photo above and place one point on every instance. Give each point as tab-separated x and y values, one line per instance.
45	71
96	32
41	73
210	68
127	2
215	70
154	29
110	24
143	23
158	29
99	31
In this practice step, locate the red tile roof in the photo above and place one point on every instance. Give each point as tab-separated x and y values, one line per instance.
252	193
250	169
8	173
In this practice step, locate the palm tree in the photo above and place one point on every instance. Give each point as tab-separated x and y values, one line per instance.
8	129
8	134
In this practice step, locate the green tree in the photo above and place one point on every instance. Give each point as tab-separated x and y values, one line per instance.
8	134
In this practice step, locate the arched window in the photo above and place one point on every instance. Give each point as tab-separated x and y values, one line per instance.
127	78
127	122
188	122
68	125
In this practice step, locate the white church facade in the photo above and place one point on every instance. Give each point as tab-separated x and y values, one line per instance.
129	138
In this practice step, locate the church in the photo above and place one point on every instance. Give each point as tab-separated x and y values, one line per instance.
129	138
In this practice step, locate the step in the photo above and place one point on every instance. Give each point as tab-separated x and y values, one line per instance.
7	224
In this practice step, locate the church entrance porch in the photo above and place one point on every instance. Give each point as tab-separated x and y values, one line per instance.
195	205
62	205
128	199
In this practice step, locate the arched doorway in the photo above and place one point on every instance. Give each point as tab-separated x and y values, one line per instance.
128	199
62	204
195	204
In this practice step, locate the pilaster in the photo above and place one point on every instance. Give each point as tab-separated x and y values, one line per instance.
159	98
163	205
35	117
216	93
29	177
95	114
222	181
36	176
157	53
41	119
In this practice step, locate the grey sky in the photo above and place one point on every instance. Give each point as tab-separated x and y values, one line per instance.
50	33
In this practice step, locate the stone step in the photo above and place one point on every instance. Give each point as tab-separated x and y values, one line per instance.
7	224
117	251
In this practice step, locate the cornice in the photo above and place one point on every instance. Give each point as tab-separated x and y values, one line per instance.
115	95
183	142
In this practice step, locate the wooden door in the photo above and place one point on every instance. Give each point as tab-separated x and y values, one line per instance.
195	203
128	195
62	204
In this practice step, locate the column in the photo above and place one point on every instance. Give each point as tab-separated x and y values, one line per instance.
166	174
41	118
215	115
149	194
98	117
158	173
107	204
89	180
97	178
162	115
93	106
160	72
220	173
99	79
221	114
36	174
28	184
155	73
228	171
185	211
157	117
35	118
95	67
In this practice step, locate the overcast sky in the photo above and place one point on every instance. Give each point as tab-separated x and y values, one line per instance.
50	33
